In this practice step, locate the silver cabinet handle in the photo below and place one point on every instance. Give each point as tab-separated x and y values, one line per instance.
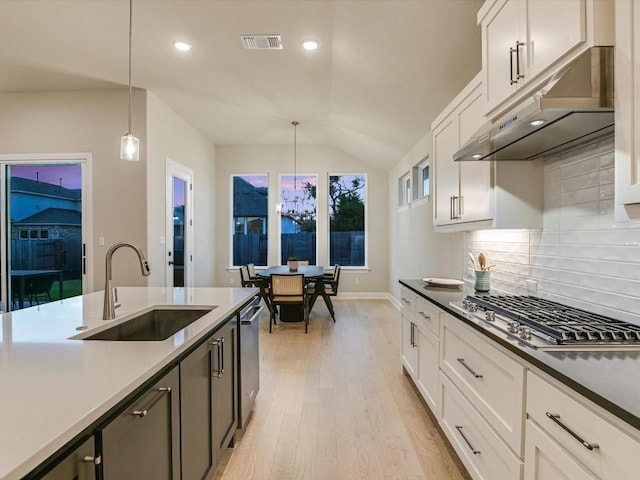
145	410
219	344
404	299
473	450
95	460
556	418
424	315
473	372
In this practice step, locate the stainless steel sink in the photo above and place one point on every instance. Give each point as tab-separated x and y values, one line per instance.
154	325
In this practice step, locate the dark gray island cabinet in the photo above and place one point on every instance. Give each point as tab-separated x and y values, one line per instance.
174	426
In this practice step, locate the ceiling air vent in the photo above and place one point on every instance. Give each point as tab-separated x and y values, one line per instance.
262	42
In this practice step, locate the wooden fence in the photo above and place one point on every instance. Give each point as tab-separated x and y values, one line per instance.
346	248
57	254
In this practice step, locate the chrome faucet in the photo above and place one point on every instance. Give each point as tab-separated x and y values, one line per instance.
110	294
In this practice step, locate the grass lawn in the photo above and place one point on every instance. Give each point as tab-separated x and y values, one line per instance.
70	288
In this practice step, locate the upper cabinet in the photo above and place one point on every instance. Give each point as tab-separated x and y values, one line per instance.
524	42
627	110
482	194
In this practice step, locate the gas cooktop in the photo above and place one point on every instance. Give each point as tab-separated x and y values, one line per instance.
545	324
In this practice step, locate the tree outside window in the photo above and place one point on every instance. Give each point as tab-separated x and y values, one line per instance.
298	217
250	219
347	197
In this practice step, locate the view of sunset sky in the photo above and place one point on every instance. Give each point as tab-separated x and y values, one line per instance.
70	174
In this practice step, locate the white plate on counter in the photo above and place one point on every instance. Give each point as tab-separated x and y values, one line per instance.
443	282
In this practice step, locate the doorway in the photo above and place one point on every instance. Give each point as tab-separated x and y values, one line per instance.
179	225
43	253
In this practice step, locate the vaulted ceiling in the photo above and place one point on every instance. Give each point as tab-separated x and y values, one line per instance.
384	68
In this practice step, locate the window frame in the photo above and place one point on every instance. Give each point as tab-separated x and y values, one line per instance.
279	201
365	266
232	220
405	193
418	179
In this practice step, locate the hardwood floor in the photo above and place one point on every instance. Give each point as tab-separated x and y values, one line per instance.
334	404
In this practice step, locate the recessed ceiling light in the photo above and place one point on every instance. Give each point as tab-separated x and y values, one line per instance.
536	123
310	45
476	155
182	45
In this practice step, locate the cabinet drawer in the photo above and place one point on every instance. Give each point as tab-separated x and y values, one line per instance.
616	455
491	380
427	316
408	301
482	451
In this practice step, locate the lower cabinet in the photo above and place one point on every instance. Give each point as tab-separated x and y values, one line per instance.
480	448
566	433
143	441
208	386
78	465
546	459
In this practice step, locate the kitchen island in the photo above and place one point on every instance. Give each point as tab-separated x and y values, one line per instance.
54	386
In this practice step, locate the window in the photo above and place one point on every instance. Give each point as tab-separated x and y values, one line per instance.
404	189
298	217
421	179
250	194
347	200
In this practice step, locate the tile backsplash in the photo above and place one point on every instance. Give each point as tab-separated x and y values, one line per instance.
581	257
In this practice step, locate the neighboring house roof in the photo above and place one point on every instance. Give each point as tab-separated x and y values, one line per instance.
249	201
18	184
53	216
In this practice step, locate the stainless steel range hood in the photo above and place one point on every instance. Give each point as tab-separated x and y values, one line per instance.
577	107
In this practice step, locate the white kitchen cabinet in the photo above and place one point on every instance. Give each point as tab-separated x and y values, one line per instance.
547	460
428	331
482	451
462	189
524	43
627	110
483	194
566	429
491	380
409	332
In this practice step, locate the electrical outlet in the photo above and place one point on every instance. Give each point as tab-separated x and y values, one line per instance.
532	286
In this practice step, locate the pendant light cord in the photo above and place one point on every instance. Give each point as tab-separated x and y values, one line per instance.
295	156
130	38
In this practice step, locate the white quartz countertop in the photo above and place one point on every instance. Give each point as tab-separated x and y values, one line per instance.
53	386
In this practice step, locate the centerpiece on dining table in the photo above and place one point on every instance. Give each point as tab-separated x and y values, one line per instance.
292	262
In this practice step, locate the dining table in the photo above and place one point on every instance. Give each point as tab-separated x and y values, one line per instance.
312	274
20	278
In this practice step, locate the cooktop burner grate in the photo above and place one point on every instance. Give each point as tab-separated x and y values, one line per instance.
563	323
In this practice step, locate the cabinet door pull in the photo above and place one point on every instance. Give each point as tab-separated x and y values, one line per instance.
518	45
404	299
511	80
424	315
222	356
97	460
411	335
556	418
473	450
451	200
218	344
145	410
464	364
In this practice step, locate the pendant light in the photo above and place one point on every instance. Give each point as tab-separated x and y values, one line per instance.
280	208
130	145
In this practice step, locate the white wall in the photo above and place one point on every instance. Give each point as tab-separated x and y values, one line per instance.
89	121
581	257
169	135
313	159
416	250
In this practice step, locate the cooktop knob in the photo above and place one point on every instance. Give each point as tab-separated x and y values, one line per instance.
490	316
525	332
513	327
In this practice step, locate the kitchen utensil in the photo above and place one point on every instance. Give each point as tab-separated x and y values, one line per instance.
473	261
482	261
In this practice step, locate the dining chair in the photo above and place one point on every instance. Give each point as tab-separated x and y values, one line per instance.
289	290
258	282
327	286
37	286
